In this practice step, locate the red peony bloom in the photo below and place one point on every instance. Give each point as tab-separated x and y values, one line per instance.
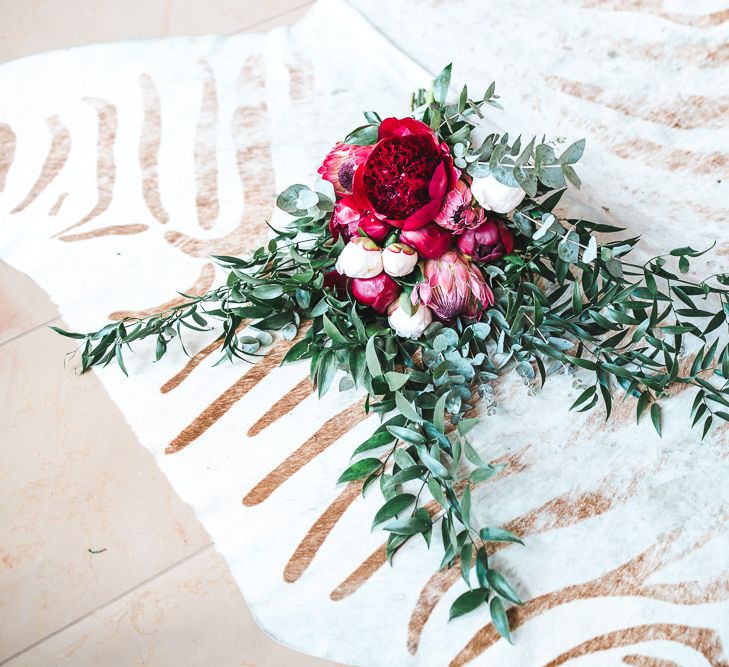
488	242
405	178
458	213
378	292
430	241
347	218
340	164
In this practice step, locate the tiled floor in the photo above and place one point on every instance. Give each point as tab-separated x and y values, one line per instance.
100	562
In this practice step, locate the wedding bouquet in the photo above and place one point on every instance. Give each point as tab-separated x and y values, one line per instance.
428	260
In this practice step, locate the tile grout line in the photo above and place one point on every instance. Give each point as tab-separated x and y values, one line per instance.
31	330
111	601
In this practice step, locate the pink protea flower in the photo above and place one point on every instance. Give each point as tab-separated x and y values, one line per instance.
452	287
458	212
340	164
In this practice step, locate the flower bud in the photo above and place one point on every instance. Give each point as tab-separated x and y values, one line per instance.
361	258
409	326
495	196
487	243
378	292
399	259
430	241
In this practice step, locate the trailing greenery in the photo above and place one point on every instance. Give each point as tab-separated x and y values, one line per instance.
567	297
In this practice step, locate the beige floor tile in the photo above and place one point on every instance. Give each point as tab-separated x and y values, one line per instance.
22	305
33	27
73	479
192	615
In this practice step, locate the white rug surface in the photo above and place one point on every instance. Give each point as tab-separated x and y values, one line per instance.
124	166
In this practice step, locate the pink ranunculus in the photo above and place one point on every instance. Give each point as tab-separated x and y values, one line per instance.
453	286
347	219
340	164
406	176
488	242
458	212
378	292
430	241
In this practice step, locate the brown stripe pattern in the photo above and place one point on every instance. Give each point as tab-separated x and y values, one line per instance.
206	159
150	139
105	166
56	158
114	230
7	152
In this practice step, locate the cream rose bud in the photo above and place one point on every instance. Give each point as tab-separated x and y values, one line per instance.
409	326
496	196
361	258
399	259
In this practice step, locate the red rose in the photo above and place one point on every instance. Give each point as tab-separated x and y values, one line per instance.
406	176
378	292
347	218
430	241
340	164
489	242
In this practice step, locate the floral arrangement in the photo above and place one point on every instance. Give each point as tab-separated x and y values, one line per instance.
427	261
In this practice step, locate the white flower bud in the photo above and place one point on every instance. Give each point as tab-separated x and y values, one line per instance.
361	258
409	326
495	196
399	259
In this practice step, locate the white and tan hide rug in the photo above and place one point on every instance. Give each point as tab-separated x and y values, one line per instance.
124	166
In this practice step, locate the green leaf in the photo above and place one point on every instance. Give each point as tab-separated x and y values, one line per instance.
120	359
392	508
67	334
500	584
498	535
395	380
439	413
406	434
466	560
467	602
642	404
441	84
359	470
656	417
573	153
466	506
410	526
498	616
433	464
366	135
406	409
327	368
437	492
267	292
373	362
332	331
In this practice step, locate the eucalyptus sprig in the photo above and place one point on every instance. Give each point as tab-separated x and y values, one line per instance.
567	297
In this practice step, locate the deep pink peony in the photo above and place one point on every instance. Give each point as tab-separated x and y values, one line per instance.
453	286
340	164
488	242
458	213
337	282
430	241
405	178
347	218
378	292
